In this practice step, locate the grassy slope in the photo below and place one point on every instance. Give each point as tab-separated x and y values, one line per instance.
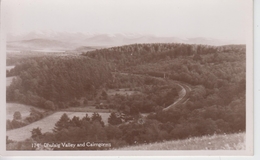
213	142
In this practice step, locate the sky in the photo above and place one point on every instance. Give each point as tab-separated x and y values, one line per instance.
222	19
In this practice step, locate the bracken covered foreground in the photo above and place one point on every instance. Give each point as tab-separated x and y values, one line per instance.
214	142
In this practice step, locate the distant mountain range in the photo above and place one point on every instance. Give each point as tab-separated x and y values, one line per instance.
88	41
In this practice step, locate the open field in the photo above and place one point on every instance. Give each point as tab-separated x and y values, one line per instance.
9	80
47	124
23	109
87	109
122	91
9	67
213	142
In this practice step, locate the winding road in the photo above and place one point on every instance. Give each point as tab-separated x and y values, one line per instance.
183	94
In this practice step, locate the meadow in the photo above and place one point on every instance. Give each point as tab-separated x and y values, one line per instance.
121	91
9	80
87	109
9	67
47	124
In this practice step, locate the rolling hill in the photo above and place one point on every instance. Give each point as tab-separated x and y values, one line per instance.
74	41
38	44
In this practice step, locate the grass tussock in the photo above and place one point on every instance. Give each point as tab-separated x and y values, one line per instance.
212	142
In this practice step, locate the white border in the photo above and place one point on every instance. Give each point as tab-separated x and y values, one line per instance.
249	97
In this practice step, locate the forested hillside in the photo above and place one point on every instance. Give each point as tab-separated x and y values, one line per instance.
215	104
217	74
220	70
55	82
137	54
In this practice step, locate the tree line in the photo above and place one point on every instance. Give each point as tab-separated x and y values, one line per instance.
162	126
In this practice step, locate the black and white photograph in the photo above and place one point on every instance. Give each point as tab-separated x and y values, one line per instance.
112	76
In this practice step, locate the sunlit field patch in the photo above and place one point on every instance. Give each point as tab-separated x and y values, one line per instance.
9	80
122	91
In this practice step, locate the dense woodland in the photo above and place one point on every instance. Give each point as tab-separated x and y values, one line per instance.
217	73
53	83
153	98
216	103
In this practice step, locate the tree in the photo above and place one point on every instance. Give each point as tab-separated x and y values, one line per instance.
9	125
104	94
85	102
86	118
17	124
113	132
113	119
197	57
75	121
49	105
36	133
63	123
98	118
17	115
97	131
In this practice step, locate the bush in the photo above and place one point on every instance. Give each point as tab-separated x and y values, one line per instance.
114	119
17	115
